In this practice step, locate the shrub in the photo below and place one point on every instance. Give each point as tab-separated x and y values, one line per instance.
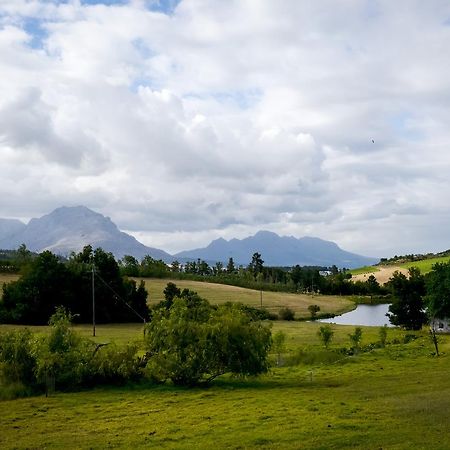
193	342
279	345
286	314
325	334
63	356
115	365
382	333
355	338
313	310
17	357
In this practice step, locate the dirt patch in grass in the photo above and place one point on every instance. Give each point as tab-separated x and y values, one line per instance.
382	274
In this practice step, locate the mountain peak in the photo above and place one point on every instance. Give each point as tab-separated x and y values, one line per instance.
279	251
69	228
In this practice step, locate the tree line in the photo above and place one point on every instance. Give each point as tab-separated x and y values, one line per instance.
47	282
255	275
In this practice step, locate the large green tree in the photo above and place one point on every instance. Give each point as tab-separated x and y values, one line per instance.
192	342
407	308
437	298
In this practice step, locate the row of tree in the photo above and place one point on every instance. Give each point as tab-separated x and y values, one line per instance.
48	282
256	275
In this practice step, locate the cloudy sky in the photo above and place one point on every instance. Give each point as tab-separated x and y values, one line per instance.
188	120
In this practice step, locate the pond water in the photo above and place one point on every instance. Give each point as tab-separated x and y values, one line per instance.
366	315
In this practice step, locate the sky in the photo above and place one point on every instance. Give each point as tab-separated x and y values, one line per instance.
185	121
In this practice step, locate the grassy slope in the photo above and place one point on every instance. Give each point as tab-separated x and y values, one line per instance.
273	301
396	398
425	265
364	269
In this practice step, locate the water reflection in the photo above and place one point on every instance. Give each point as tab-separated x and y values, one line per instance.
368	315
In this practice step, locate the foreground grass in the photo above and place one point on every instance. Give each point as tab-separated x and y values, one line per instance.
395	398
426	265
273	301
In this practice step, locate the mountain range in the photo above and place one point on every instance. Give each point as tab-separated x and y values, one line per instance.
69	229
278	251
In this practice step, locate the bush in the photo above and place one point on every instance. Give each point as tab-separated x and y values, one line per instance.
17	357
63	356
382	333
114	365
313	310
286	314
325	334
355	339
193	342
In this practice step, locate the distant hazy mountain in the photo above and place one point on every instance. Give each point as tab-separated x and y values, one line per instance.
69	229
278	251
9	227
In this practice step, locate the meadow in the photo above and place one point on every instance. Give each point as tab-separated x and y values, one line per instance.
425	265
272	301
364	269
397	397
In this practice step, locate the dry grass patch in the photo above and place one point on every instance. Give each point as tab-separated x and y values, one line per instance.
273	301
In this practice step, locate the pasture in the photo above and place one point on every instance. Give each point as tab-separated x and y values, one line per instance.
272	301
397	397
426	265
364	269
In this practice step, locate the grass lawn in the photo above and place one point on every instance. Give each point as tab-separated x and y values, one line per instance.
392	398
273	301
425	265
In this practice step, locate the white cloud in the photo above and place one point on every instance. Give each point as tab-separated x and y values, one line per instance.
223	118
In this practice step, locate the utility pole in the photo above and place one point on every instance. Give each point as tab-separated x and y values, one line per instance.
93	299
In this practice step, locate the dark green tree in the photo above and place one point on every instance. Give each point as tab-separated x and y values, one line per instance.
46	283
129	266
230	266
407	308
256	265
437	298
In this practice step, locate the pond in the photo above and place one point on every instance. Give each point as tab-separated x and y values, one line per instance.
365	315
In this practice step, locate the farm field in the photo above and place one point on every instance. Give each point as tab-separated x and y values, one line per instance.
272	301
382	274
425	265
363	270
397	397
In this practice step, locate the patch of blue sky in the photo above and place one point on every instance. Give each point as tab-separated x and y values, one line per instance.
36	29
243	99
143	48
144	81
164	6
403	128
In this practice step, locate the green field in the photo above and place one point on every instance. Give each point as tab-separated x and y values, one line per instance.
392	398
273	301
364	269
425	265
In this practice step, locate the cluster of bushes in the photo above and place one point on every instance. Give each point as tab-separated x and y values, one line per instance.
187	341
63	359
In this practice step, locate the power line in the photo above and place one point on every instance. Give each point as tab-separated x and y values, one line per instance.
119	297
